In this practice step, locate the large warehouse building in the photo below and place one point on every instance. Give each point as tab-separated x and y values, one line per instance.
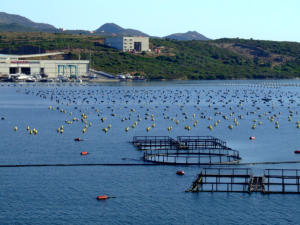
126	44
18	64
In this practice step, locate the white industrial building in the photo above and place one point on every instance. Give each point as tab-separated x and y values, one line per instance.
127	44
18	64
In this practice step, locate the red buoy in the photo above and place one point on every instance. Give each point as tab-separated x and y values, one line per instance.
180	172
78	139
297	151
84	153
102	197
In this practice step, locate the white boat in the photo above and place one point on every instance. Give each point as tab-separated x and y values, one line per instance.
128	76
121	77
79	80
30	79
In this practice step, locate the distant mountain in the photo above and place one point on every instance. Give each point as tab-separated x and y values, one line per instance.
112	29
188	36
11	22
16	23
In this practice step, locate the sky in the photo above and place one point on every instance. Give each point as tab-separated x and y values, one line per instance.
258	19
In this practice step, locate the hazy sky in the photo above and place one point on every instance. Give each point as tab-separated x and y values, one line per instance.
258	19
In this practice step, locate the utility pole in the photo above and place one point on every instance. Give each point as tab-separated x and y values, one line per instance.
91	62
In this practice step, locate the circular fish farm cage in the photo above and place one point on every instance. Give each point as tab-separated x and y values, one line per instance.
187	150
193	157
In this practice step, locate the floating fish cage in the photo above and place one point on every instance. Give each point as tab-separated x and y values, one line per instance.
200	142
154	142
188	150
283	181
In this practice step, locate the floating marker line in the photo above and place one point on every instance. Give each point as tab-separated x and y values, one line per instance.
139	164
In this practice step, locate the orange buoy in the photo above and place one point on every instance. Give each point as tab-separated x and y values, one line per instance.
252	138
297	151
180	172
102	197
84	153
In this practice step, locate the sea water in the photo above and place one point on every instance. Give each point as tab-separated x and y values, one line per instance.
144	194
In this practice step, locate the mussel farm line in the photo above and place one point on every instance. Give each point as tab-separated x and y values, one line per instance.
281	181
186	150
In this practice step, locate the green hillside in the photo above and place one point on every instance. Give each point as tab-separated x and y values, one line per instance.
218	59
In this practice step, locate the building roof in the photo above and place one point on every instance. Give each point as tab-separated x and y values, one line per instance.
8	57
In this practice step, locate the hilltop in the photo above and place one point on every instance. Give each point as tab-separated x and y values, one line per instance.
11	22
188	36
112	29
214	59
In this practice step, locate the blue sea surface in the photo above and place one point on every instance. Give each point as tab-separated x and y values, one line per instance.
144	194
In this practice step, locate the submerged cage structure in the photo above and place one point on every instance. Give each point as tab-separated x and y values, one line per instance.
187	150
282	181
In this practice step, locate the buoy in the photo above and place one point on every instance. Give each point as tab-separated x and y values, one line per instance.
252	138
102	197
15	128
84	153
180	172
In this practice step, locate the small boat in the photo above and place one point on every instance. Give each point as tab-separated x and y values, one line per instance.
252	138
180	172
297	151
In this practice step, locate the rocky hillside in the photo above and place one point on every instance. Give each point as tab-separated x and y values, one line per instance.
217	59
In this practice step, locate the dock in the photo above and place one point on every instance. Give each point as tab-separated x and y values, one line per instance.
102	74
